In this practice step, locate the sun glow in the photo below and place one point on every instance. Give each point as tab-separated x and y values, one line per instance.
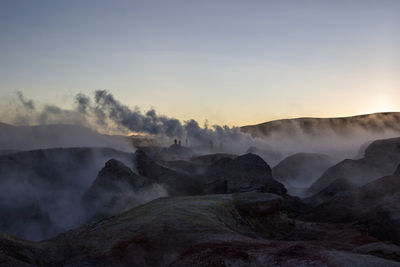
383	104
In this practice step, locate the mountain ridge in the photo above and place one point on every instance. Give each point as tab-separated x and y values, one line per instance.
374	122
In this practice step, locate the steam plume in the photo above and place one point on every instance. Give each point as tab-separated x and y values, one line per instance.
101	111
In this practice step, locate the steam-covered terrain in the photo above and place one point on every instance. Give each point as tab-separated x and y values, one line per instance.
302	192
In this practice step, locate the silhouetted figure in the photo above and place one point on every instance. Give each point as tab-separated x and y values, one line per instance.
175	141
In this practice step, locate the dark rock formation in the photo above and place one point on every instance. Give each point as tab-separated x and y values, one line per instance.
375	205
381	158
176	183
211	158
269	155
117	177
214	173
184	166
244	173
116	189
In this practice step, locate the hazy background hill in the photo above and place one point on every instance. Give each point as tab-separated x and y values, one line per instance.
377	123
28	137
338	137
345	137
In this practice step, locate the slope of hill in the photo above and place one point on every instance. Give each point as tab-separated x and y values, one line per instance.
374	123
56	135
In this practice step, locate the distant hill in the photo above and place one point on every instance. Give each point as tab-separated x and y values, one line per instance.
375	123
56	135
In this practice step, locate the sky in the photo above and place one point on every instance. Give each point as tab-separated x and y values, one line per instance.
227	62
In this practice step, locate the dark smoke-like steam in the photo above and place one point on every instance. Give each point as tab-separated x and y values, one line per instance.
104	113
105	109
26	103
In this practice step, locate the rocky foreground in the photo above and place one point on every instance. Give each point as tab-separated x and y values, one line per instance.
239	229
142	209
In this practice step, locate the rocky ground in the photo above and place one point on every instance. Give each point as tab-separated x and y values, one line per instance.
142	209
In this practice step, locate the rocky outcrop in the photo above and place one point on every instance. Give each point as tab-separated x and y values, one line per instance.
269	155
117	177
185	166
116	189
376	206
381	158
210	174
175	182
244	173
211	158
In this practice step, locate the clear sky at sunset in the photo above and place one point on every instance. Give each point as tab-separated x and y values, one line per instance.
231	62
